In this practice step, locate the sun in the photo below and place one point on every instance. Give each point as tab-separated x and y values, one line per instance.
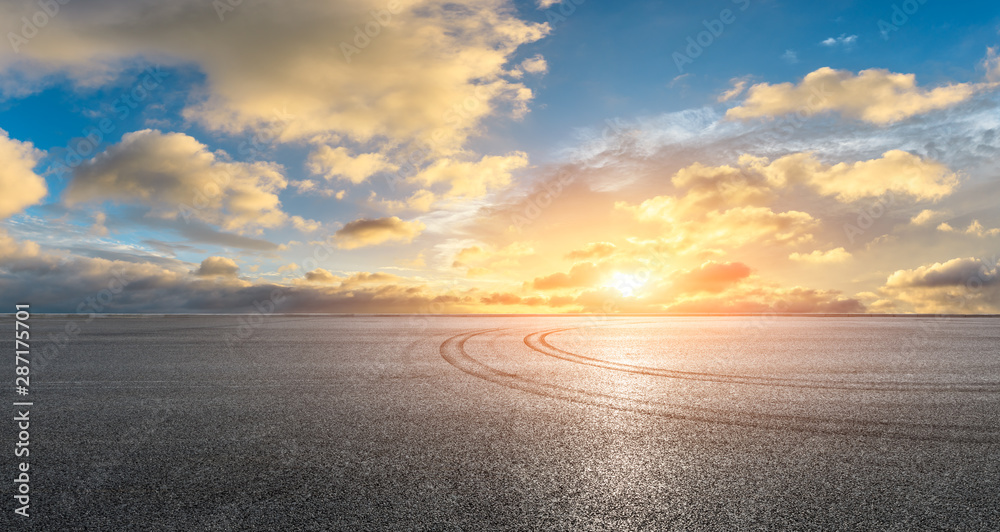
627	284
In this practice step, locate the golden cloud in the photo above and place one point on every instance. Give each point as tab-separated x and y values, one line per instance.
176	175
217	266
927	216
962	285
873	95
593	250
470	178
21	186
818	256
406	72
371	232
584	274
338	163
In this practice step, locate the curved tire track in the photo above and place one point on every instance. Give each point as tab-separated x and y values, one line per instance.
537	341
454	352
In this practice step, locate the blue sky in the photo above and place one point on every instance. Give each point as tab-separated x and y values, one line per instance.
323	151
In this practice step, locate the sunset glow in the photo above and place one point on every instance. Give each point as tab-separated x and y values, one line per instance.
486	156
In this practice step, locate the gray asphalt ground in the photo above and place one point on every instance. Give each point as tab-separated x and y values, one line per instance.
478	423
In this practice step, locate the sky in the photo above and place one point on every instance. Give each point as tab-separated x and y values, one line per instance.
496	156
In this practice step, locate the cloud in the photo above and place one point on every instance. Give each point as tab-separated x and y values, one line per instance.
175	175
535	65
975	228
845	41
306	68
790	57
99	228
472	179
711	277
690	227
991	64
896	171
304	225
927	216
593	250
962	285
819	257
500	299
338	163
482	258
21	186
371	232
874	95
737	89
319	275
584	274
217	266
11	249
545	4
677	79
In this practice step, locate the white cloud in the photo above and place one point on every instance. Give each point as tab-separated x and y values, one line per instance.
845	41
991	64
21	186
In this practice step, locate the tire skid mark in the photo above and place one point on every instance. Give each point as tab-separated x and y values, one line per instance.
453	351
537	341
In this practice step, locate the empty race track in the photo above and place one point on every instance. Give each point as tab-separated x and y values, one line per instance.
459	423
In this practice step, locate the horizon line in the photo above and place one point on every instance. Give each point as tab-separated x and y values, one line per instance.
516	315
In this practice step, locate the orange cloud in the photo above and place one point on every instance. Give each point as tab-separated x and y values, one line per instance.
584	274
594	250
711	277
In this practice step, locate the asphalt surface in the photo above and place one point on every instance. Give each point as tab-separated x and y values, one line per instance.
479	423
